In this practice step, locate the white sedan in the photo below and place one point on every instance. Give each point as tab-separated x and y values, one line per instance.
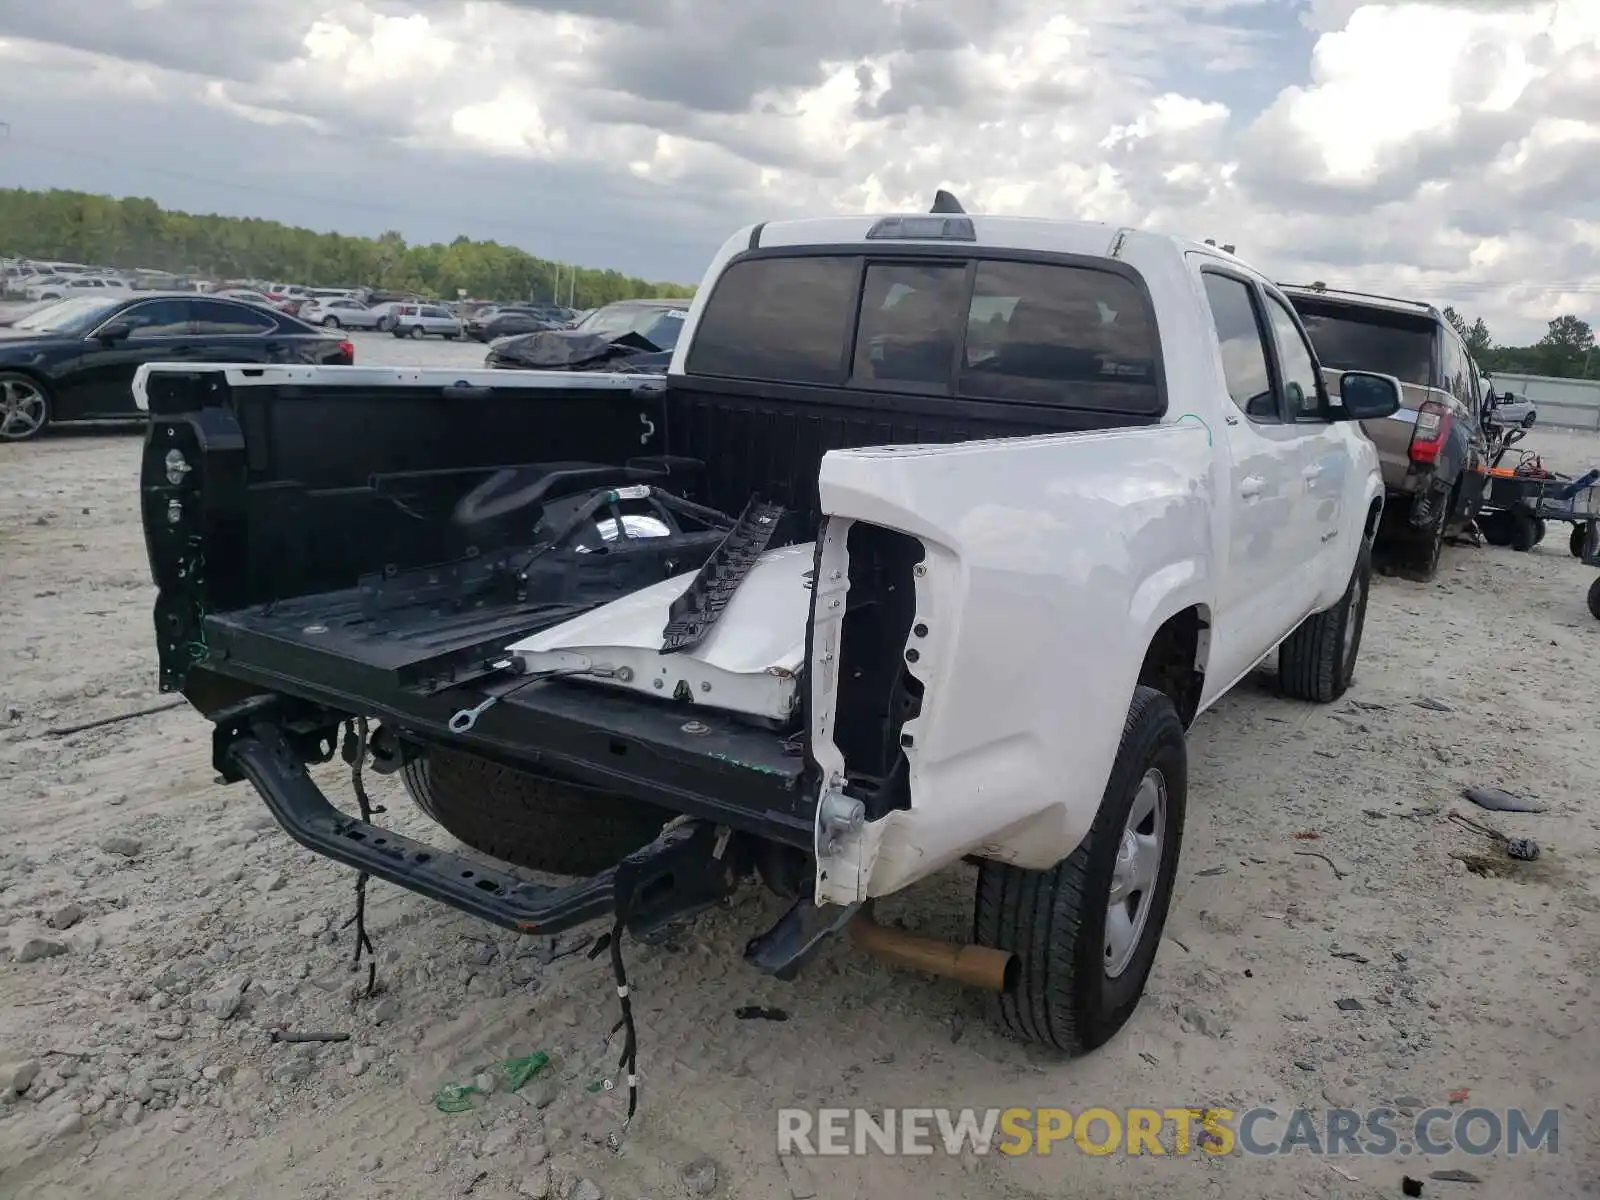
63	286
340	312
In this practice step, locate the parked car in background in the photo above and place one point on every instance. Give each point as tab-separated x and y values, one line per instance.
630	335
657	321
1430	448
252	296
507	320
63	286
74	360
345	313
424	320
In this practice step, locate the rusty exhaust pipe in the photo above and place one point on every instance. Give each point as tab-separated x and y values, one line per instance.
975	966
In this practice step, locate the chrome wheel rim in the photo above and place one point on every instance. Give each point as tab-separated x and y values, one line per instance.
1136	872
22	409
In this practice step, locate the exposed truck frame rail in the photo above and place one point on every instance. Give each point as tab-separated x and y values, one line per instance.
684	869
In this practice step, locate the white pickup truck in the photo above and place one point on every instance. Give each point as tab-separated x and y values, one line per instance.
937	534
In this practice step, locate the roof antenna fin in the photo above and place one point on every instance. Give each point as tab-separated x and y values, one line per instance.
944	202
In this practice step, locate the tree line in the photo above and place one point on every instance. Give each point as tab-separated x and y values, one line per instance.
1566	350
134	232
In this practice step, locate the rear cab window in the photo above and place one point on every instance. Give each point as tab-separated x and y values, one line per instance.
1057	333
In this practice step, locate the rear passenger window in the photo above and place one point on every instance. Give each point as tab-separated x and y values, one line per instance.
1244	352
782	319
1050	334
910	324
217	317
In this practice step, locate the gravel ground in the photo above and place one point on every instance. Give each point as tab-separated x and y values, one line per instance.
161	926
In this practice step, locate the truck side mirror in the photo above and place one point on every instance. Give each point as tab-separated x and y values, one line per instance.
1366	396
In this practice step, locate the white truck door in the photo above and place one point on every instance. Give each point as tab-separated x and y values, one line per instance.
1321	466
1257	590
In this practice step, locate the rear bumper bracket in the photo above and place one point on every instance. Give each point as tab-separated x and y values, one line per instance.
685	869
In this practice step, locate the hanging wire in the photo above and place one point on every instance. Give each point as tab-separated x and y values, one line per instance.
628	1063
357	731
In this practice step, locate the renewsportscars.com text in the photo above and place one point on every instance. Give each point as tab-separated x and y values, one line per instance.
1165	1131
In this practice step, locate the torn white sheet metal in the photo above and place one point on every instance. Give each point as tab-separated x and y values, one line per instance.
747	663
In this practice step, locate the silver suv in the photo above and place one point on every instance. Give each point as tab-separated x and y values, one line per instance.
420	320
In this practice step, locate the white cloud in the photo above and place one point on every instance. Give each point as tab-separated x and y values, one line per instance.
1438	148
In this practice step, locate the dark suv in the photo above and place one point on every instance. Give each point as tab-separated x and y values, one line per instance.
1430	448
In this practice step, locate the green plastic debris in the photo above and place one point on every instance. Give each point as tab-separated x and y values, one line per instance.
454	1097
514	1073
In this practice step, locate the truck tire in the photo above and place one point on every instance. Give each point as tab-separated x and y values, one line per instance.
1580	533
1077	986
1594	599
1524	533
527	820
1317	662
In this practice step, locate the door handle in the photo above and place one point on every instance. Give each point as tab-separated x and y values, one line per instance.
1312	472
1251	485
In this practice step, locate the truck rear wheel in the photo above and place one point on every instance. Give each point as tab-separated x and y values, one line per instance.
1317	662
1085	932
527	820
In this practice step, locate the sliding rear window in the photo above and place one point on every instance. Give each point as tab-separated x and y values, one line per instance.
1055	334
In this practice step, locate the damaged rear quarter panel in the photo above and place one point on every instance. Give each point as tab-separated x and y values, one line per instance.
1050	563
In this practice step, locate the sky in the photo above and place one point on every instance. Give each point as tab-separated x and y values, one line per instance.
1441	151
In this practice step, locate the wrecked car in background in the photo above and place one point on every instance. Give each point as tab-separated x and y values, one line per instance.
1433	448
934	539
630	335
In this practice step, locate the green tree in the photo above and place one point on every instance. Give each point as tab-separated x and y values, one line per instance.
1475	335
1567	347
136	232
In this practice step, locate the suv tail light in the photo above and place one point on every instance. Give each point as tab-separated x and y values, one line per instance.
1431	432
348	350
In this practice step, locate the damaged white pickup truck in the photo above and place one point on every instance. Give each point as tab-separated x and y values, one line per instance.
936	536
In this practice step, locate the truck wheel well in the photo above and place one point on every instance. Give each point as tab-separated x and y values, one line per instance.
1374	515
1175	662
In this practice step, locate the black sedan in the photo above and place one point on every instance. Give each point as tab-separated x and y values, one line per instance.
75	360
504	322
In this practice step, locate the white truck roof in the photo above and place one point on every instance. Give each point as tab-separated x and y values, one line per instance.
1043	234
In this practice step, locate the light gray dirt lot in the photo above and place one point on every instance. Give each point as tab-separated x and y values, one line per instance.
193	927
